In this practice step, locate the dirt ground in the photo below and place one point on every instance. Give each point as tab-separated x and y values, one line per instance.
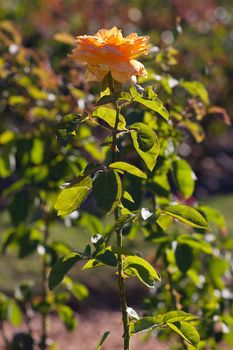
90	328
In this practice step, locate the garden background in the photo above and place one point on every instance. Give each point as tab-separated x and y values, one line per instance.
197	37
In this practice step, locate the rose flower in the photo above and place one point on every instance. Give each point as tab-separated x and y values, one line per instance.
108	51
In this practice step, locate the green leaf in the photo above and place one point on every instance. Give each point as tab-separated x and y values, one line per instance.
17	100
107	190
108	116
6	137
71	198
183	177
61	267
145	143
14	313
102	339
212	215
186	331
37	151
80	291
100	258
124	99
151	102
184	257
178	315
187	215
196	88
145	136
136	266
66	126
144	324
127	195
196	242
106	256
19	207
147	323
131	169
92	263
67	316
164	221
5	166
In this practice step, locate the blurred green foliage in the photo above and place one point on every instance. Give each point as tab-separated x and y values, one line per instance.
39	85
200	31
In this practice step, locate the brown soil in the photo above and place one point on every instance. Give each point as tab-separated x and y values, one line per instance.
91	327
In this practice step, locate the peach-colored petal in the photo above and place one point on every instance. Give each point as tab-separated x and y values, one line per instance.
108	50
139	68
95	73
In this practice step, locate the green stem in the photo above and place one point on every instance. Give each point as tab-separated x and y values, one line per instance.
121	281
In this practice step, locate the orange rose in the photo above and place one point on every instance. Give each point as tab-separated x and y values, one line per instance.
108	51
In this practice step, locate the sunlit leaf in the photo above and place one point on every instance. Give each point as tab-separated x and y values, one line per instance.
144	324
151	102
71	198
17	100
67	316
129	168
186	331
196	242
178	315
127	195
108	116
37	151
183	177
14	313
213	215
148	323
139	267
196	88
164	221
145	143
61	267
187	215
6	136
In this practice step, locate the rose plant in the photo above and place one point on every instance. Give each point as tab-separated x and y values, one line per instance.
122	157
137	129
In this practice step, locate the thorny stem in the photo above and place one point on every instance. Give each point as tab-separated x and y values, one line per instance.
44	284
121	282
